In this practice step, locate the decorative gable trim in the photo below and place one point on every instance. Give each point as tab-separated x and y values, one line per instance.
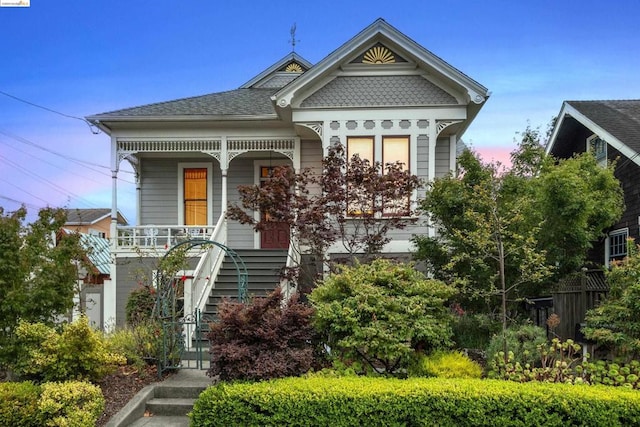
292	63
380	33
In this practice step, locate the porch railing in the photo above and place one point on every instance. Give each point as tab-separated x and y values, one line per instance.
159	236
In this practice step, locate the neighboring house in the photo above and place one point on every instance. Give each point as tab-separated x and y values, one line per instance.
96	222
611	129
380	94
93	276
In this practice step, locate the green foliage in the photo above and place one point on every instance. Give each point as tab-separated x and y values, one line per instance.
140	304
140	344
380	313
445	365
355	401
615	323
77	352
611	374
508	233
19	404
554	363
474	330
71	404
521	340
263	339
37	275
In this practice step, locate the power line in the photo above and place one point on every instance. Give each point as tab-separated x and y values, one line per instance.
92	127
46	181
80	162
29	205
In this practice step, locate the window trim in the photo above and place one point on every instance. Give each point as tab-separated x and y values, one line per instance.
601	158
616	234
195	165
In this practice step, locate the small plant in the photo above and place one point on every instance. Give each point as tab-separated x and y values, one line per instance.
521	340
71	404
445	365
610	373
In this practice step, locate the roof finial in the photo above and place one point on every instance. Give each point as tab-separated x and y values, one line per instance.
293	40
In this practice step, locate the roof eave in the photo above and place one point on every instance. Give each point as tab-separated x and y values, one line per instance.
180	118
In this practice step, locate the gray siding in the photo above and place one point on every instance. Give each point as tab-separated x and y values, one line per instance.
442	157
241	172
422	161
132	273
159	194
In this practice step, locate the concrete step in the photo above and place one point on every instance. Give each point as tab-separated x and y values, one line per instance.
162	421
173	406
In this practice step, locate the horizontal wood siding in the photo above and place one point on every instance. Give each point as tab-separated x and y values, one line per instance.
311	158
442	157
423	161
241	172
159	191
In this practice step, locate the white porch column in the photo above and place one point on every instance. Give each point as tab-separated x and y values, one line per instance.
109	301
114	192
224	195
453	149
431	173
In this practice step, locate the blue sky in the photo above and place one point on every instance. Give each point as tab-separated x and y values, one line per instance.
81	57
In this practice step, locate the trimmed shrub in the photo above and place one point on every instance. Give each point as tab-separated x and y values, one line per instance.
78	352
522	340
380	314
262	339
445	365
71	404
19	405
357	401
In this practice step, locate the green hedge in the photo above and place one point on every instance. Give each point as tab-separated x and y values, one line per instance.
70	404
19	404
356	401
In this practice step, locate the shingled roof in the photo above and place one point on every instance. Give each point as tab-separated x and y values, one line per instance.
621	118
238	102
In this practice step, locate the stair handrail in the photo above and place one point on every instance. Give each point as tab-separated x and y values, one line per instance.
206	271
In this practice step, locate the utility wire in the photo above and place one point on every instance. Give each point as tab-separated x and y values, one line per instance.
29	205
92	127
63	168
25	191
46	181
83	163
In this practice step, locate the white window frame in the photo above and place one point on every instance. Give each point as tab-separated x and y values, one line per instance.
195	165
616	234
602	155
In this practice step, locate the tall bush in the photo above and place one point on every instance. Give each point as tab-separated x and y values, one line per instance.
381	313
262	339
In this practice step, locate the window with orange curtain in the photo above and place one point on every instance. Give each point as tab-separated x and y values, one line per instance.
359	204
396	149
195	196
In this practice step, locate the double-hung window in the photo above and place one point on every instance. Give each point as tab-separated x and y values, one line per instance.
385	150
618	244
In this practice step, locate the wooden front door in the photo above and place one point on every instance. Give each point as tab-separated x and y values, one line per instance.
276	234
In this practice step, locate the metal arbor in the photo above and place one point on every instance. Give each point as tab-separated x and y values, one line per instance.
180	329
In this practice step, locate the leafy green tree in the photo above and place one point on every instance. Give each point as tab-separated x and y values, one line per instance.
616	322
380	314
502	234
351	201
37	274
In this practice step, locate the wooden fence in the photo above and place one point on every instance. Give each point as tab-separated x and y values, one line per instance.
573	296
